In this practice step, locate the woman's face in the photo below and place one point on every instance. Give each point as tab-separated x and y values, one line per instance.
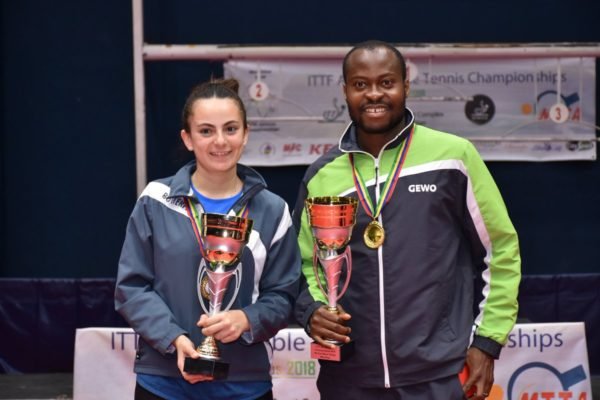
217	135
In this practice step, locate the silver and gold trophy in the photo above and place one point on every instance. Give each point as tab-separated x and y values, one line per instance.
331	220
223	241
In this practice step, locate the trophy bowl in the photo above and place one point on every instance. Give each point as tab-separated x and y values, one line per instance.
331	220
223	240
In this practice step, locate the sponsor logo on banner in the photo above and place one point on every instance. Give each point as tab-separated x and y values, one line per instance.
267	149
292	149
579	145
319	148
547	363
549	383
480	110
335	113
548	98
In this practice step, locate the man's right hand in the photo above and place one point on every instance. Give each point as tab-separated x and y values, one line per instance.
325	324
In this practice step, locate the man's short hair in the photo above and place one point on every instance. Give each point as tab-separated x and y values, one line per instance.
372	45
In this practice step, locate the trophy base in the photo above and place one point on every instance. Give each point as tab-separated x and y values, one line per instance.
215	368
338	353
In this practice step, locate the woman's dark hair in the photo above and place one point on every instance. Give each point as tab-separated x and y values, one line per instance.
219	88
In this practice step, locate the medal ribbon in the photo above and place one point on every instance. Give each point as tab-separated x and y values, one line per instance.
243	213
197	221
390	183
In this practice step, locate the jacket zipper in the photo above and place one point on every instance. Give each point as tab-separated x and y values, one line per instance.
386	372
384	359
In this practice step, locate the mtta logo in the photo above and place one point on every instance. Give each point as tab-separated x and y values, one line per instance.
422	188
550	383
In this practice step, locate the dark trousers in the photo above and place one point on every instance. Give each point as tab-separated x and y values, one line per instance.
143	394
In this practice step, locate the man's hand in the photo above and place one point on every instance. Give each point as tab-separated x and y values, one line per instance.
325	324
185	348
225	326
481	373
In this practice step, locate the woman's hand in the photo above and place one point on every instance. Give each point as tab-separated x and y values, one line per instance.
226	327
185	348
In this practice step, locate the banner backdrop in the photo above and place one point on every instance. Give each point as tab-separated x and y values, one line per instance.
519	109
540	361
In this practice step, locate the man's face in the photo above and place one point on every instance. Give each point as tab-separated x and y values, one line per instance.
375	91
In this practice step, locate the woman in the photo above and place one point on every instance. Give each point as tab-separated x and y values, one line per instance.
157	288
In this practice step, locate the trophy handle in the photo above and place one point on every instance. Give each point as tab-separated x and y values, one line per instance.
202	271
201	274
316	271
237	275
348	258
332	293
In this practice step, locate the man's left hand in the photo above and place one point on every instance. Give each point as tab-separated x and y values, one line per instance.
481	373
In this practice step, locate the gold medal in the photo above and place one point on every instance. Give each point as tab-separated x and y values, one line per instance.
374	235
204	288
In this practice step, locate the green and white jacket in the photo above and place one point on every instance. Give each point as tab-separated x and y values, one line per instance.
447	275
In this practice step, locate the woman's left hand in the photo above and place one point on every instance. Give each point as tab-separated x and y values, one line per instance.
185	348
225	326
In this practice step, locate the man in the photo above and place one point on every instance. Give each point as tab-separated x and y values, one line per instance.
429	247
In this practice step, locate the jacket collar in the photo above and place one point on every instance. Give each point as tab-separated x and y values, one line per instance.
181	184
